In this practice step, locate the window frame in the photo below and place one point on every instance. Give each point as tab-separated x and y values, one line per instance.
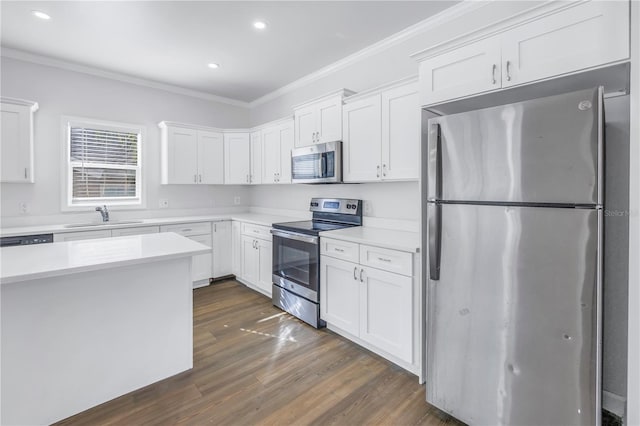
114	203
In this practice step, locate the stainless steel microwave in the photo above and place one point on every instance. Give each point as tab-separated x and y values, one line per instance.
319	163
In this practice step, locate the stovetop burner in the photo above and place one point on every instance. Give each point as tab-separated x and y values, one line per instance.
328	214
311	227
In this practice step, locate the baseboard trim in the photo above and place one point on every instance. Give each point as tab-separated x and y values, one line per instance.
615	404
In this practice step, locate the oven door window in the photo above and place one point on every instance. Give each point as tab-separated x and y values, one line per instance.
313	166
296	261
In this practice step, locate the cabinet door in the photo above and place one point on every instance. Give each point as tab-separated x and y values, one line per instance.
340	293
237	157
286	145
329	120
584	36
270	154
210	157
16	148
305	126
465	71
138	230
265	266
236	249
182	155
386	312
81	235
222	256
401	133
362	140
256	158
202	264
249	260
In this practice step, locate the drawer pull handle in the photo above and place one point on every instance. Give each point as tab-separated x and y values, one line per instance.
355	269
187	230
255	231
384	259
338	250
361	279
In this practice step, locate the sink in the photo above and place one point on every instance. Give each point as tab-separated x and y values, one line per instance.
114	222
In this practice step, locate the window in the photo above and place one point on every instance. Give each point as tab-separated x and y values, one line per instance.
103	163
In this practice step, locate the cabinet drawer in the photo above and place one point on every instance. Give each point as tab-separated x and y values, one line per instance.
400	262
339	249
138	230
256	231
186	229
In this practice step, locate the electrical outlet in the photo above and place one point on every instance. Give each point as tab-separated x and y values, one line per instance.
367	207
164	203
23	207
236	200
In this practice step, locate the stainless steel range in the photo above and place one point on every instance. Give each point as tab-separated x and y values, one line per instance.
296	256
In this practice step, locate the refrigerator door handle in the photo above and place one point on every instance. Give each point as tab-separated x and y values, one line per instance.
434	180
434	218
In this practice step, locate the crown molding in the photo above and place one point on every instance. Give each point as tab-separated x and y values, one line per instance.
71	66
447	15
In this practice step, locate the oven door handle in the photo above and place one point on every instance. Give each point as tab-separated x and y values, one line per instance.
295	236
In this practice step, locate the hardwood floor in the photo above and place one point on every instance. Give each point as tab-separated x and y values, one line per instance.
254	364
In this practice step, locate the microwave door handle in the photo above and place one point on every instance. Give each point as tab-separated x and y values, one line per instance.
323	165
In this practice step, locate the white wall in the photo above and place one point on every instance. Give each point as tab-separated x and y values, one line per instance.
389	200
61	92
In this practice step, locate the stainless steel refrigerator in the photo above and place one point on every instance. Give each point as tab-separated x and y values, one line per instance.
514	231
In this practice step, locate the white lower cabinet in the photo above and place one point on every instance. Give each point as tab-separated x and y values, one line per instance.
236	249
202	266
255	256
386	314
222	256
340	294
372	305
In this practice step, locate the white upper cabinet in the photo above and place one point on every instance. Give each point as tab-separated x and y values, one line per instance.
256	158
319	120
470	69
401	128
581	37
362	140
382	135
277	142
237	158
572	37
16	145
286	145
191	155
210	157
305	124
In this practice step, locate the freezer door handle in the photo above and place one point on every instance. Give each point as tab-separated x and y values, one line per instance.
434	223
434	180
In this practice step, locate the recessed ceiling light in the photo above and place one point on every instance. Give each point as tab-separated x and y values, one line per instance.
260	25
40	14
213	65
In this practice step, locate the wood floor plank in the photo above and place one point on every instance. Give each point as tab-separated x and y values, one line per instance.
255	365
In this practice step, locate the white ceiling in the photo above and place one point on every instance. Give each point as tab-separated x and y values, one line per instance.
172	41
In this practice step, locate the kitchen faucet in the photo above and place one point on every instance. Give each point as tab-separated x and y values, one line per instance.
104	212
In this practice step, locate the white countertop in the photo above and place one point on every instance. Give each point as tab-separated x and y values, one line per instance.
257	218
23	263
387	238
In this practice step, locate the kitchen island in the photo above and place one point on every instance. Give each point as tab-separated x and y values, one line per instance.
83	322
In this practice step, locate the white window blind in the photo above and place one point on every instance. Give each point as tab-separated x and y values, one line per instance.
103	164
